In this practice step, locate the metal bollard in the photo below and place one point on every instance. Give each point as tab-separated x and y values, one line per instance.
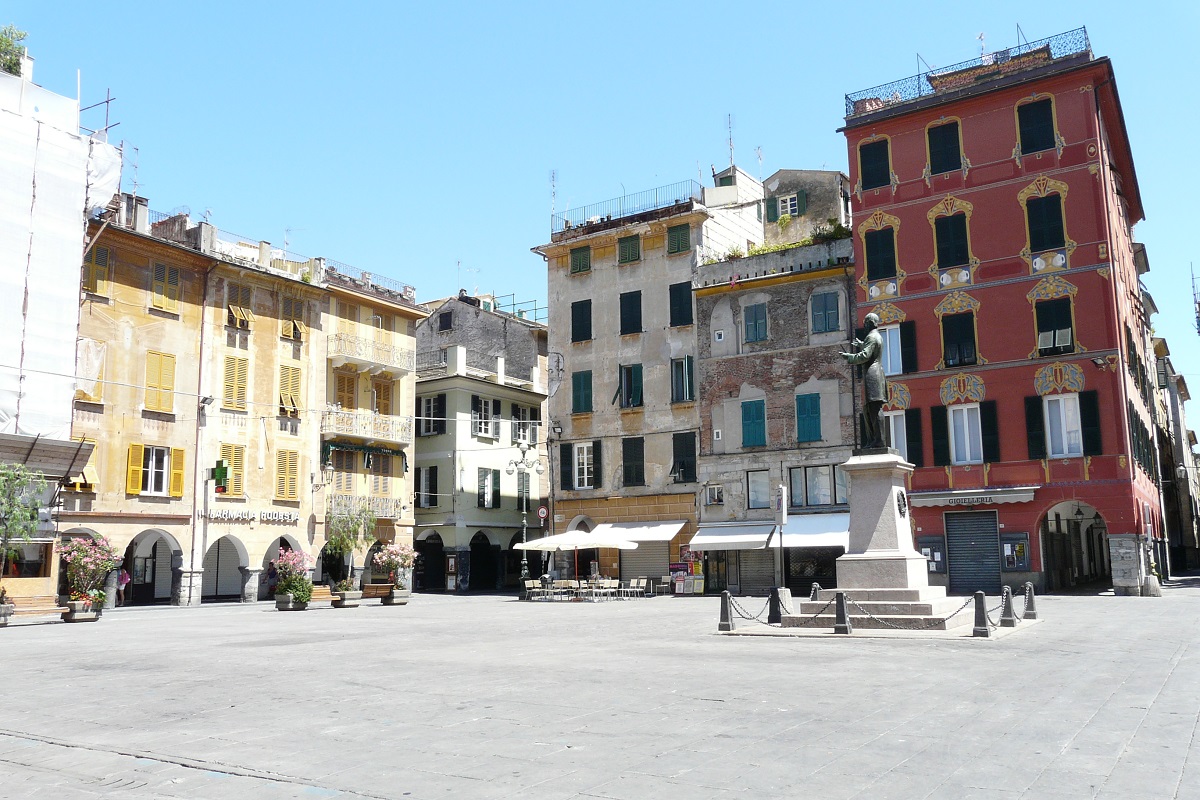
841	620
1008	619
981	620
726	623
775	611
814	593
1030	608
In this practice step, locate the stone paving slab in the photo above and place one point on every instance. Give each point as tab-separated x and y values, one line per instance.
488	697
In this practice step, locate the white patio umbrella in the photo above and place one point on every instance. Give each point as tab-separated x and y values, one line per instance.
577	540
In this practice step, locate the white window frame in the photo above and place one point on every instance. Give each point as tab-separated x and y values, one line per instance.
897	432
484	424
585	464
1061	413
714	495
765	476
689	391
426	496
156	478
428	404
489	491
789	205
890	359
521	424
966	445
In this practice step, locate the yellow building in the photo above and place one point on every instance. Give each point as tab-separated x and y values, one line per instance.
196	346
367	427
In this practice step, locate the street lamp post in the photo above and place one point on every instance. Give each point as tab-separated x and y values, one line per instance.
521	466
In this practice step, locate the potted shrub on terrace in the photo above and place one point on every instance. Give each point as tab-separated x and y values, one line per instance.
397	561
294	589
88	563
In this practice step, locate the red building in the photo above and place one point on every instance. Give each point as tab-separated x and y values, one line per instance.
993	211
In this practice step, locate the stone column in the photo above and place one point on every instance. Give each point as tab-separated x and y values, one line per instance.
356	575
250	584
110	588
191	587
881	554
463	580
1125	557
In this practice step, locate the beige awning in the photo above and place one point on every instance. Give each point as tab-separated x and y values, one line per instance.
640	531
732	536
817	530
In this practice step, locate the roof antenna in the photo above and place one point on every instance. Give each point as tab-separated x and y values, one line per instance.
928	66
758	155
982	44
1021	37
553	189
729	122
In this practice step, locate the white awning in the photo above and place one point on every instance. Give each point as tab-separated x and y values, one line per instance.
973	497
737	536
639	531
817	530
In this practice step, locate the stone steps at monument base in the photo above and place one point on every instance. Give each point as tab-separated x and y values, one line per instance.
923	594
934	608
932	622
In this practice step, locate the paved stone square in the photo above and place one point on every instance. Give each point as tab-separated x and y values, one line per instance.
488	697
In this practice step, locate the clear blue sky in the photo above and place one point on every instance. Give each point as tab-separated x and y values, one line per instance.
403	139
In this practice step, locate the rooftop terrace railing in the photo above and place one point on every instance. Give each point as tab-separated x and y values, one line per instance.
649	200
966	73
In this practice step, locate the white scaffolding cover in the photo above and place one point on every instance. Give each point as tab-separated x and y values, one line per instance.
44	174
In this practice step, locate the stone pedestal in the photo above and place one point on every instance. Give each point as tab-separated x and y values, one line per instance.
1126	557
250	579
885	579
191	587
110	588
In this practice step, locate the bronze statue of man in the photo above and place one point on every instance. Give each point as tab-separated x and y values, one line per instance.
875	388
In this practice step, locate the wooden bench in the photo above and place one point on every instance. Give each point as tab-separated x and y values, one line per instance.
378	591
40	604
321	594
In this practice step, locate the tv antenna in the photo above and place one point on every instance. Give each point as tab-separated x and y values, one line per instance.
982	43
553	189
758	155
1021	37
729	124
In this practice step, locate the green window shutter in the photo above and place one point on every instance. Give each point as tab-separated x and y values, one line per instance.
989	428
772	209
581	320
566	466
631	312
597	464
951	235
875	165
1035	428
581	259
683	452
635	388
801	202
754	433
581	392
913	440
939	422
629	249
1089	421
495	488
808	418
689	374
908	346
633	461
680	298
481	492
679	238
880	249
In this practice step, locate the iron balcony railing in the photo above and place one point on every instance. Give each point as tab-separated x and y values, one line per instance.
358	348
367	425
957	76
628	204
382	507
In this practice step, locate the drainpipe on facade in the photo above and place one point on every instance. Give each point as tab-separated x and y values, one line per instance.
190	593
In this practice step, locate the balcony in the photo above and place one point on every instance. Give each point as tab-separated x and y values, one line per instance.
987	67
369	354
382	507
676	194
365	425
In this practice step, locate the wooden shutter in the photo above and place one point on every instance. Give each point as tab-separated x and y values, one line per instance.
234	456
772	209
566	467
287	464
233	391
1089	421
476	413
431	483
689	375
631	312
495	488
346	390
383	397
913	441
293	474
801	202
939	424
880	250
482	489
581	320
172	296
95	271
133	470
808	418
989	428
908	346
153	370
635	388
680	300
1035	428
535	422
439	412
753	423
597	464
175	489
158	287
496	414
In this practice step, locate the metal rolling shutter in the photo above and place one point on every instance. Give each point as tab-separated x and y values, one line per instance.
973	552
649	560
756	571
162	570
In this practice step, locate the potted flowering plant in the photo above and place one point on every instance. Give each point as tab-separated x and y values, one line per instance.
88	563
345	595
397	561
294	589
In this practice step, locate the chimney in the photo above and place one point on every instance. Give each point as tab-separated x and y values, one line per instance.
135	213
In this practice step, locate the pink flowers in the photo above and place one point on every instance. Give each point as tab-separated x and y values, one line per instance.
393	557
292	562
88	563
